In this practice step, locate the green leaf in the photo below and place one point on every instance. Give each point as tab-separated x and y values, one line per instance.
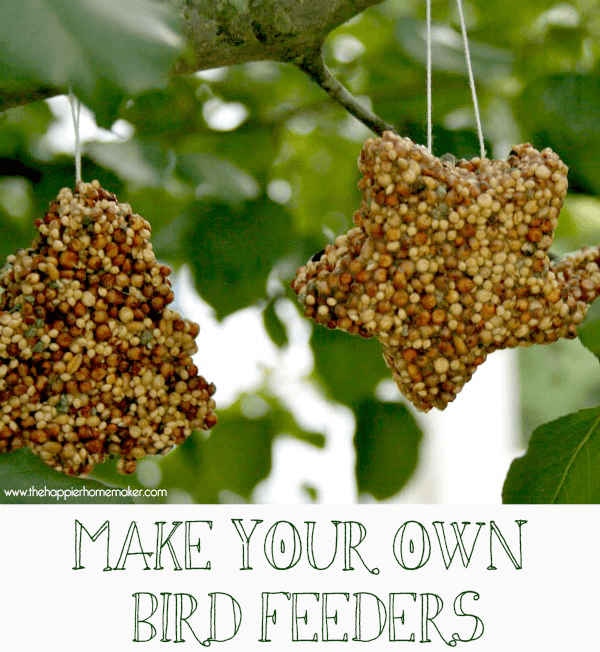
589	330
100	48
167	113
349	366
251	147
447	50
217	177
161	208
562	113
562	463
387	447
13	236
274	326
238	453
233	249
322	171
20	129
141	161
23	471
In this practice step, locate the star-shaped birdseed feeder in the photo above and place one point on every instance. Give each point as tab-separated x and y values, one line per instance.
448	262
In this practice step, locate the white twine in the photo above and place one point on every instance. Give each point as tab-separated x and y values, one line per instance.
429	98
76	113
471	78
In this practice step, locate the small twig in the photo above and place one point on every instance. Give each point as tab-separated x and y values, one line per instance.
314	66
20	94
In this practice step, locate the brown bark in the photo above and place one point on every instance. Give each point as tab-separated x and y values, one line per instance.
229	32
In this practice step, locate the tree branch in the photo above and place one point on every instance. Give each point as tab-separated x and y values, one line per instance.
314	66
19	94
231	32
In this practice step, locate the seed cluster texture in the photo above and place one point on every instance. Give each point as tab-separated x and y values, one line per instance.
448	262
93	362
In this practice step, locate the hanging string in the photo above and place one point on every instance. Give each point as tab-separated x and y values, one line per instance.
429	98
76	113
471	79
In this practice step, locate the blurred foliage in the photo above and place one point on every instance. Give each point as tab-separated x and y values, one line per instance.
589	331
387	447
102	50
349	368
549	388
247	244
273	325
246	172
